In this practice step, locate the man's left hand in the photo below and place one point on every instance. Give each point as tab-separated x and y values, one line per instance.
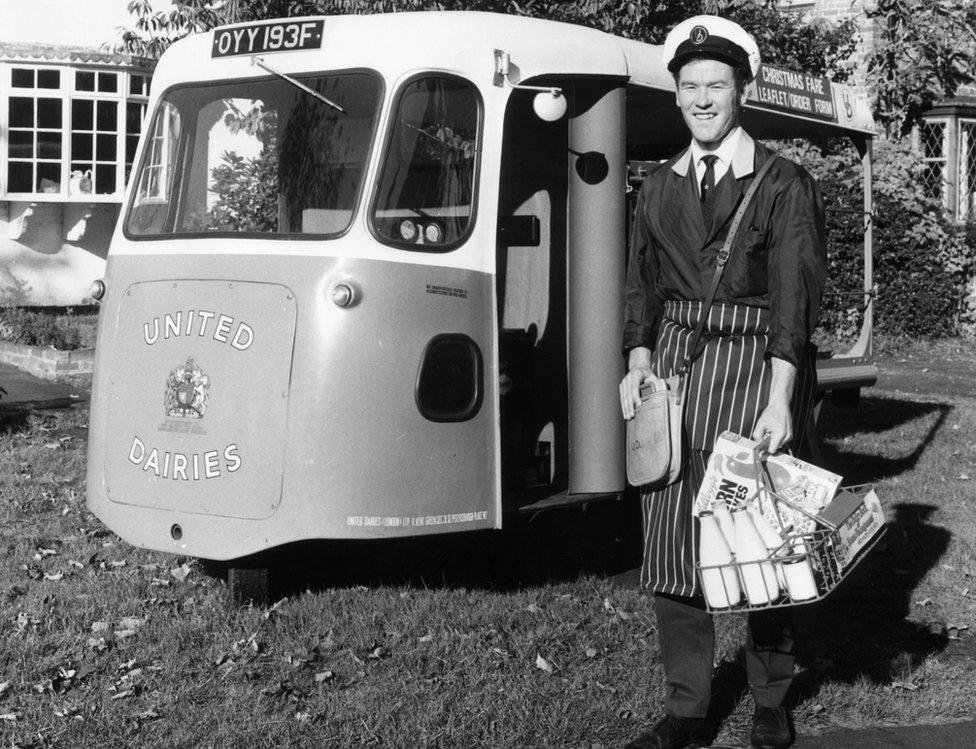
776	422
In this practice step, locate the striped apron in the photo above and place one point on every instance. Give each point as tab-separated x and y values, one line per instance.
727	390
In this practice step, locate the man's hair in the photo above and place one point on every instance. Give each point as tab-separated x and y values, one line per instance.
739	75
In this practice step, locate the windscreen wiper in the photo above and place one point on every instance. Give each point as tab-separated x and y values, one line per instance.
255	60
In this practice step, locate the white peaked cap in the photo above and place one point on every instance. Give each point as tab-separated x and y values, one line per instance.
711	37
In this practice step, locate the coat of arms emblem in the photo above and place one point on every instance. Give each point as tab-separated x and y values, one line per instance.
187	391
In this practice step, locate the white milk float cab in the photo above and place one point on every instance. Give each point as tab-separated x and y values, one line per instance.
369	277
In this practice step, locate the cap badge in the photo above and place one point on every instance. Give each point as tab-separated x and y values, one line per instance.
698	35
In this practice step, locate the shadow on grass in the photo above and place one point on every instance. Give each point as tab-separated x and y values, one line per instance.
875	415
862	629
553	547
13	420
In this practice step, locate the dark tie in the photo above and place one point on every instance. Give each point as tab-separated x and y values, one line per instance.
708	178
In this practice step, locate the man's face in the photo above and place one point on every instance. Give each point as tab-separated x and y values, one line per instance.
708	100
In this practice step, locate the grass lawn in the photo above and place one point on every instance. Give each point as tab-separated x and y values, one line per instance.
530	637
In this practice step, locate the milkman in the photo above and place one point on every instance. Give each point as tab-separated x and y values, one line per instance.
754	374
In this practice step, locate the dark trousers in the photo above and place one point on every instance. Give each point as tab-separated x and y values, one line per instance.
687	638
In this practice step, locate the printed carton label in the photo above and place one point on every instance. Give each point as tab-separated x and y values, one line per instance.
858	529
730	477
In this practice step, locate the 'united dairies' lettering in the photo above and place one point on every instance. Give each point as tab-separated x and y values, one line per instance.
201	323
164	464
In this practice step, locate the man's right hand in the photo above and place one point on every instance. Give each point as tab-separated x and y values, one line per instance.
639	373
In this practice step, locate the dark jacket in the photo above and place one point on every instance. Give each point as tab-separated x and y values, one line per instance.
778	258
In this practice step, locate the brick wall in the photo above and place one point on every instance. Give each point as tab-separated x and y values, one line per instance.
48	363
835	11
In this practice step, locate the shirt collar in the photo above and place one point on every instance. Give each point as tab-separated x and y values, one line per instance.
738	150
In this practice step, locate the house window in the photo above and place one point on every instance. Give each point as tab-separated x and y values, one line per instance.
35	126
71	132
967	171
932	144
94	144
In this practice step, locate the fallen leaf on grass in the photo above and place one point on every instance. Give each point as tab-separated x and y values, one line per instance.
543	665
323	676
923	602
125	693
954	630
426	638
300	658
591	652
271	611
180	572
533	608
4	686
10	716
817	709
908	686
285	690
121	634
302	717
131	622
54	577
147	716
624	714
962	477
127	665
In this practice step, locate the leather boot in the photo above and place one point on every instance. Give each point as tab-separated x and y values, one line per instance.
674	732
771	728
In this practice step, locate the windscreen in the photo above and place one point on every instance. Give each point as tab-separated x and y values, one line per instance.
426	189
256	157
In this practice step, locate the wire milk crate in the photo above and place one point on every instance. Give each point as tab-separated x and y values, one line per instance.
809	562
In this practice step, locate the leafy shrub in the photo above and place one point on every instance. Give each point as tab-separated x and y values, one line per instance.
922	260
32	328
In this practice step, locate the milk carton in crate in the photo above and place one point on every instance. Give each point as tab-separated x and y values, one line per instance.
731	477
856	517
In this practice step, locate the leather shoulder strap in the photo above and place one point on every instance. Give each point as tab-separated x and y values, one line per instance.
721	261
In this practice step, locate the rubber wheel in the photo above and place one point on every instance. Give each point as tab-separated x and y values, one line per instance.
249	585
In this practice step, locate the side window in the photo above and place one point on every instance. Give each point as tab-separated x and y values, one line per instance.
152	192
426	190
162	151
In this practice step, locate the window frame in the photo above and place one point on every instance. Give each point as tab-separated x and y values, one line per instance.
946	158
181	154
963	178
387	148
65	93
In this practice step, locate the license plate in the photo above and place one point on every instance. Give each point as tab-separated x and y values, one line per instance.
280	36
